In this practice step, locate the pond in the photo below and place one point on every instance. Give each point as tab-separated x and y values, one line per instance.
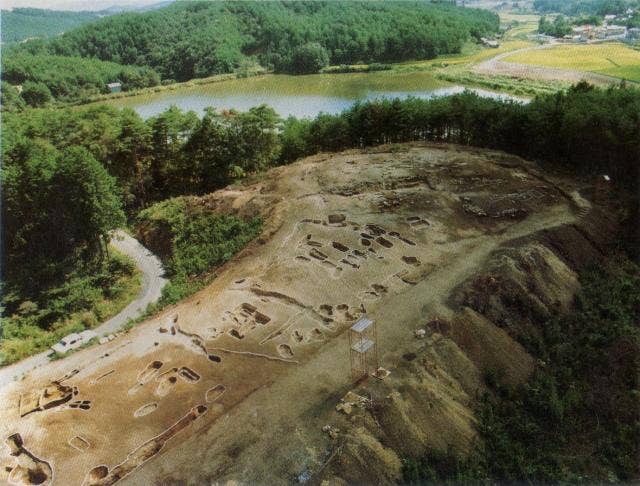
300	96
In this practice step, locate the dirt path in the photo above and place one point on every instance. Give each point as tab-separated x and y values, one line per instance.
496	66
152	284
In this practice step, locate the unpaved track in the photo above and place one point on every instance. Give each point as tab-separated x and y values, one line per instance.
152	284
152	280
497	67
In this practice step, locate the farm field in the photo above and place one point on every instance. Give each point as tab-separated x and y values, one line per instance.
612	59
522	25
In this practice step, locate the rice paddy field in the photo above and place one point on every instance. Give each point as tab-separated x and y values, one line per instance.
613	59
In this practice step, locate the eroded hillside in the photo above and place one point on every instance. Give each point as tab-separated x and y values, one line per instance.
238	381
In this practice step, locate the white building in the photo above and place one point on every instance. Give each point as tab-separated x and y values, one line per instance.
114	87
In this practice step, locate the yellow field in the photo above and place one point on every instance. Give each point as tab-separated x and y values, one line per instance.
614	59
510	17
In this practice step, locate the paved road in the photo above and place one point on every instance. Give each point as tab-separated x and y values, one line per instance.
152	284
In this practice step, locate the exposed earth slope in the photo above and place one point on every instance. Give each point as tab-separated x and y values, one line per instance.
237	382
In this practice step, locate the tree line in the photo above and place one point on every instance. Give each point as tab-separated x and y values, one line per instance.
70	176
19	24
559	27
585	129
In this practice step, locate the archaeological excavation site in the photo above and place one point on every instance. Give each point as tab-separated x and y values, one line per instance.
448	253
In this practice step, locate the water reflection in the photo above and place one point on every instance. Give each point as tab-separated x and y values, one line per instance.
300	96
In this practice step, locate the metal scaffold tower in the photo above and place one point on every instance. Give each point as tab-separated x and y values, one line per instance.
363	348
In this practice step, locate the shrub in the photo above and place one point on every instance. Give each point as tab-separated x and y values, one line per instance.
35	94
308	59
200	241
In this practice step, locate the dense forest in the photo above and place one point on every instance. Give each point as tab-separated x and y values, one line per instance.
69	175
198	39
25	23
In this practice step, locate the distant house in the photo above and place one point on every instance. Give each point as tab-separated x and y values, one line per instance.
633	33
489	42
114	87
616	31
611	32
582	33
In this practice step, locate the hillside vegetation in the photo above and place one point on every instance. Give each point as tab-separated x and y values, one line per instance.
588	7
192	242
562	424
24	23
86	296
198	39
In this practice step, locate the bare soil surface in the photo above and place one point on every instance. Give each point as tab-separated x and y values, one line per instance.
236	382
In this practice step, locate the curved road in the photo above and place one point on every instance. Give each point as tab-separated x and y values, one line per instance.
152	284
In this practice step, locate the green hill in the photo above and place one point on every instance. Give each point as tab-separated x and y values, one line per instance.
196	39
20	24
67	78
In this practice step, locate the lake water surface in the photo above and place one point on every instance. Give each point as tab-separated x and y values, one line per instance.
300	96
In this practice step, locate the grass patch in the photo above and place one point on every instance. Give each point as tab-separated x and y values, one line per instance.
516	86
471	53
356	68
86	298
613	59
